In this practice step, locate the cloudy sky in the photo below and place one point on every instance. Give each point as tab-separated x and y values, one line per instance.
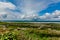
30	10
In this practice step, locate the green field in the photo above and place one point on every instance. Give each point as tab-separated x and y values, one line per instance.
29	31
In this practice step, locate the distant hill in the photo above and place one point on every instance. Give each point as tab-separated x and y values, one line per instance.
25	21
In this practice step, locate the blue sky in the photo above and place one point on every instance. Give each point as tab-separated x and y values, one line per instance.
30	10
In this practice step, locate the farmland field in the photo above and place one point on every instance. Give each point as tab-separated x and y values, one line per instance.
29	31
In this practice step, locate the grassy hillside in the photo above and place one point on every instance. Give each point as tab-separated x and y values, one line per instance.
29	31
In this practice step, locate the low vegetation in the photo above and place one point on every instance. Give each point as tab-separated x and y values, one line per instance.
29	31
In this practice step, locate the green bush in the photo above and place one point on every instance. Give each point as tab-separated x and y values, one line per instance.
8	36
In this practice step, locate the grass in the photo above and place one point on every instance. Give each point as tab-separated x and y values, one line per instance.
29	31
28	34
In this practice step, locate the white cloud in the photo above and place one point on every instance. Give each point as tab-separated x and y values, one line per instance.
32	7
29	10
51	16
4	7
7	14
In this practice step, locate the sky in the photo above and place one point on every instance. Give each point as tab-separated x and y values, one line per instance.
30	10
